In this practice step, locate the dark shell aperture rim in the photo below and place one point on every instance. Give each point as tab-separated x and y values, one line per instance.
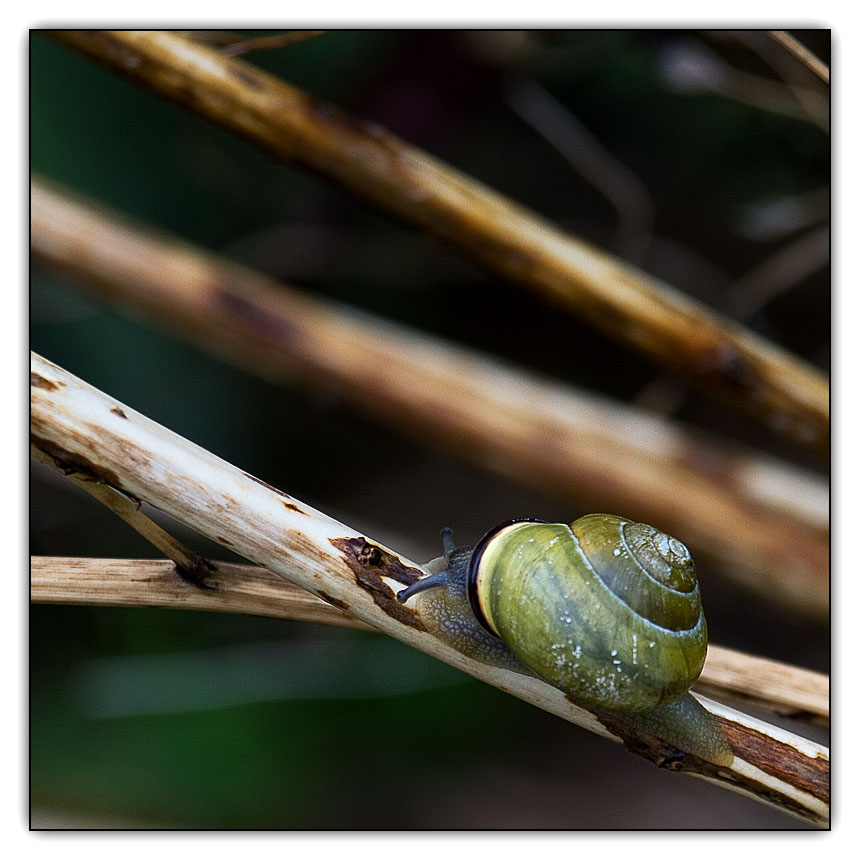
475	563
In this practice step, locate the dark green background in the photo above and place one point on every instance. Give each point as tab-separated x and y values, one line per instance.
178	719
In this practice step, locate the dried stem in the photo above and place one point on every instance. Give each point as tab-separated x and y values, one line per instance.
765	523
790	396
127	510
90	433
226	587
760	683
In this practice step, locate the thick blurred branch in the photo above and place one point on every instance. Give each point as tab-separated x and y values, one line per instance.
759	683
790	396
766	523
85	431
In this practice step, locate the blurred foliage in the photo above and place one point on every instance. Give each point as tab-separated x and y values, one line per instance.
445	752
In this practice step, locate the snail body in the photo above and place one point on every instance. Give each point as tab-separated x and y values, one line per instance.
605	609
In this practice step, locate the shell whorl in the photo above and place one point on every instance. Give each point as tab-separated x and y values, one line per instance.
605	609
649	571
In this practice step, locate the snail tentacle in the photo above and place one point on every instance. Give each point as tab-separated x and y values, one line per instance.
436	581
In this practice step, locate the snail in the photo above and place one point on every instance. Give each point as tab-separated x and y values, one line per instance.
605	609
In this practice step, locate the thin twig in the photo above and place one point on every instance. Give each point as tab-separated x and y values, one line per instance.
760	683
268	43
810	98
765	523
789	395
78	425
802	53
690	66
127	510
624	190
782	270
792	263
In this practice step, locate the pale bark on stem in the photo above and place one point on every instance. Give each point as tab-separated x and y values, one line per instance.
787	394
760	683
86	431
764	523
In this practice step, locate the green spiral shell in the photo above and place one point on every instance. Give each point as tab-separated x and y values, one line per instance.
606	609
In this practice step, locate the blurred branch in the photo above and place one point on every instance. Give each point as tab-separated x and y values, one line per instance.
759	683
787	394
268	43
689	66
783	269
805	88
768	220
232	44
765	522
79	426
592	161
802	53
791	264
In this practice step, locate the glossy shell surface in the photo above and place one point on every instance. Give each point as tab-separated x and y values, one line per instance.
606	609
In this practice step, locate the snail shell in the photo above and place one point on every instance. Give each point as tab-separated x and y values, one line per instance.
606	609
